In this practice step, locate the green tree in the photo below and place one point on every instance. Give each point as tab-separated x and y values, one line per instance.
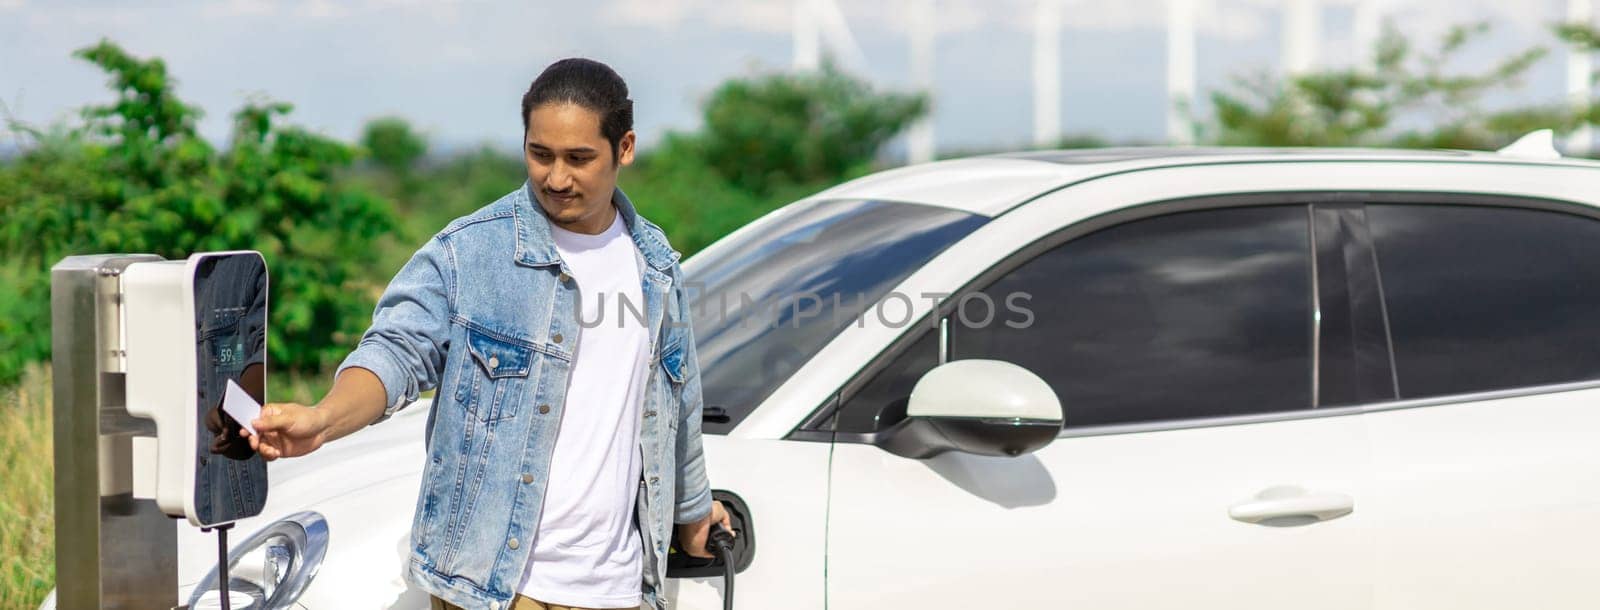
393	144
1363	106
766	132
765	141
136	177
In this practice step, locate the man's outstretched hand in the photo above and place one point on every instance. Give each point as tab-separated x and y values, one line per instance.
285	429
692	536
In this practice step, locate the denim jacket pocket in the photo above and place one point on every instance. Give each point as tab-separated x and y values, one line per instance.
492	375
672	364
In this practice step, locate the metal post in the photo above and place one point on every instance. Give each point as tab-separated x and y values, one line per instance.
113	550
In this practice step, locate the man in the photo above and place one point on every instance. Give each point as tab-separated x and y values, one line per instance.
565	434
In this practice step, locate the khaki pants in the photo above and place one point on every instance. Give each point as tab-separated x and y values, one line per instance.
520	603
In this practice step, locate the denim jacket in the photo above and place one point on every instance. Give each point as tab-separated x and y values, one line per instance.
486	312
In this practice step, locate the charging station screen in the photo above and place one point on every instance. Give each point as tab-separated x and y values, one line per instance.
230	309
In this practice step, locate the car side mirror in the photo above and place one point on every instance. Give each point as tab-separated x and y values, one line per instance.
982	407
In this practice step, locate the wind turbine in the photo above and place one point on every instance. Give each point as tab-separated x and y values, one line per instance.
807	37
817	22
1366	27
1180	69
1580	68
1301	28
920	141
1047	73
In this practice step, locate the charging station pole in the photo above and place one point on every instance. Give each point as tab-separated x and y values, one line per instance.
113	550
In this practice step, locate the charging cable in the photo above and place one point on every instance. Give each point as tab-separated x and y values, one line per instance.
721	542
222	563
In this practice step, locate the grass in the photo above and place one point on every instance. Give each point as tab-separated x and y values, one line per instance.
27	495
27	492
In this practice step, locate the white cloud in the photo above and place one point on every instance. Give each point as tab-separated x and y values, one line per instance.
321	9
769	16
331	9
240	8
446	10
450	65
1229	19
660	14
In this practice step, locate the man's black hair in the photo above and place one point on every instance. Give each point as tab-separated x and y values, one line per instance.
587	83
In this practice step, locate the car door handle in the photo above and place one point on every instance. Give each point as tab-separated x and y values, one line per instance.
1292	505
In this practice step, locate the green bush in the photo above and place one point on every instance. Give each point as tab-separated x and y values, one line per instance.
393	145
678	190
136	177
766	140
772	131
1367	106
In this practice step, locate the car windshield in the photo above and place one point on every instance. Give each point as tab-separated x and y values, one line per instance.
765	303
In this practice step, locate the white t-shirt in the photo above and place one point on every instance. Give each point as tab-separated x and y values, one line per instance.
586	552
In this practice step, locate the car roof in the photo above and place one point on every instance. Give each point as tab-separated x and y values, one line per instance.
992	184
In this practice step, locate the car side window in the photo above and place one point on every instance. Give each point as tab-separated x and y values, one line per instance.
1187	315
1484	298
882	400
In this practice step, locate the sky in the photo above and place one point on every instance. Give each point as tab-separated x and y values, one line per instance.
457	69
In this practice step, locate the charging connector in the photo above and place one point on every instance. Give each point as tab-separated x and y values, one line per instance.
732	548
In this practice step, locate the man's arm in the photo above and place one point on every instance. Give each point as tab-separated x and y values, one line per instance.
400	355
694	511
356	400
291	430
692	495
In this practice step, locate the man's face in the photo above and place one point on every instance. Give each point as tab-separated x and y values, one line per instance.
570	165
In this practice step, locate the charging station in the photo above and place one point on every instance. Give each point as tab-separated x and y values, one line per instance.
145	353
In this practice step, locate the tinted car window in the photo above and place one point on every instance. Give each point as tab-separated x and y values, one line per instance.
1188	315
882	401
768	301
1483	298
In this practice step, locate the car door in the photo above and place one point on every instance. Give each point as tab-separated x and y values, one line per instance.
1198	466
1488	470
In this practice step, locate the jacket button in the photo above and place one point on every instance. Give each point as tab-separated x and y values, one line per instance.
649	413
544	409
556	338
494	362
654	480
527	477
512	543
563	278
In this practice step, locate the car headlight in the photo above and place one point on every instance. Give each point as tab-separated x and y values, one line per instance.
270	569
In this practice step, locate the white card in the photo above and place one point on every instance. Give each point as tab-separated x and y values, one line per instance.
238	404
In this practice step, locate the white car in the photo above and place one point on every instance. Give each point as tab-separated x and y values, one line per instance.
1305	379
